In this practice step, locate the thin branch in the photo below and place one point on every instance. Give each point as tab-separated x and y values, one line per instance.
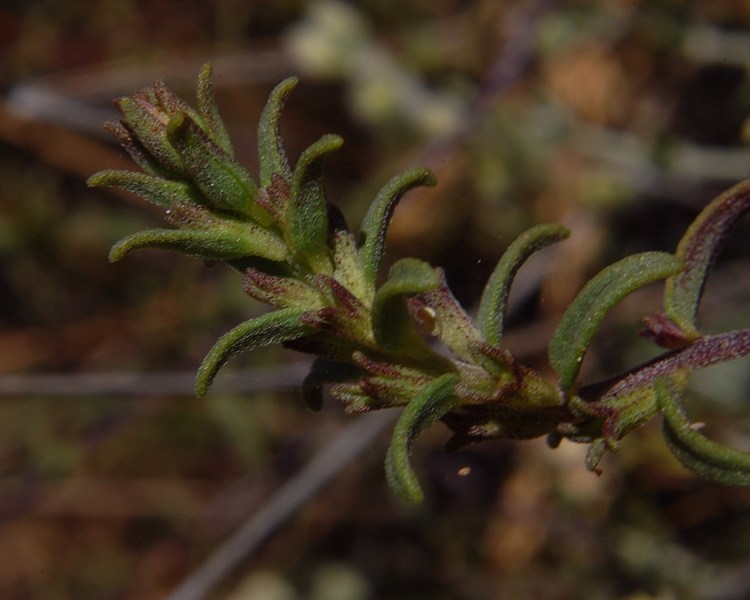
287	500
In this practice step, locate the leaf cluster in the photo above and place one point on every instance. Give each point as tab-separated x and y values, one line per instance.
408	342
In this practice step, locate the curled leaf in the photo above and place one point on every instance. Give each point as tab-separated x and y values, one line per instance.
372	235
221	243
271	328
308	210
210	112
698	249
694	450
584	315
495	296
434	401
391	322
160	191
271	153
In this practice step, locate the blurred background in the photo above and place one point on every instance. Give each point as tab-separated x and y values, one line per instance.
618	118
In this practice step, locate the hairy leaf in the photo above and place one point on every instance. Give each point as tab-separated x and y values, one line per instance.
434	401
160	191
271	328
308	211
698	249
495	296
221	243
210	112
584	315
391	322
707	458
372	235
270	146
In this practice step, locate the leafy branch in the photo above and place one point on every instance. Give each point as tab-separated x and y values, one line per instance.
378	345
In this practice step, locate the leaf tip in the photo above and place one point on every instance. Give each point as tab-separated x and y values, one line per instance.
203	381
97	179
401	478
118	251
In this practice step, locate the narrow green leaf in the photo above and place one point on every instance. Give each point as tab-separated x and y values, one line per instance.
225	184
210	112
698	249
433	402
271	153
694	450
221	243
308	212
391	322
495	296
372	236
584	315
160	191
271	328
